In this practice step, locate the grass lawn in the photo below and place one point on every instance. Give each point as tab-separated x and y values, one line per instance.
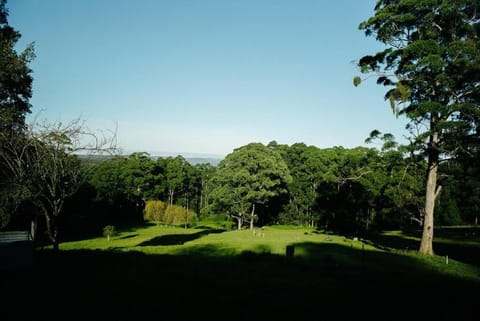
172	273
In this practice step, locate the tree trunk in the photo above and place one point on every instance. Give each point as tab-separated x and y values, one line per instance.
252	216
432	191
239	222
54	237
33	228
171	193
51	221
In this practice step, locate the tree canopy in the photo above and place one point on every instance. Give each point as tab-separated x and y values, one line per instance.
250	176
15	77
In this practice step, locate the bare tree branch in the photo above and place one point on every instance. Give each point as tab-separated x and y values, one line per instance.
44	162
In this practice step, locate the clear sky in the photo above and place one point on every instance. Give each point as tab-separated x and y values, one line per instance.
205	76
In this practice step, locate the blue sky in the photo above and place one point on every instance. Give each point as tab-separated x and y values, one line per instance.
205	76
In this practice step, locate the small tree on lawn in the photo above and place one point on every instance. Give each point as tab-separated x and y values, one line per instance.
109	231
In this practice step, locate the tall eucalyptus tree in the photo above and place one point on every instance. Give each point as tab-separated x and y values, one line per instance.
431	62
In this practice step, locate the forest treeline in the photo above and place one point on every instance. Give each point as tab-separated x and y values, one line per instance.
354	190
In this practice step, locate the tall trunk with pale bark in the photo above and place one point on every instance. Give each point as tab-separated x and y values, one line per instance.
252	217
171	193
239	219
431	194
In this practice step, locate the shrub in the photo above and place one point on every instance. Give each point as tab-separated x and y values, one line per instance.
155	211
180	216
158	211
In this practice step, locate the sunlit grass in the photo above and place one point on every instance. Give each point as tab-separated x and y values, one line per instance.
272	240
328	249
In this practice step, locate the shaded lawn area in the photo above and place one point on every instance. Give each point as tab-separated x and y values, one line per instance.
459	243
330	281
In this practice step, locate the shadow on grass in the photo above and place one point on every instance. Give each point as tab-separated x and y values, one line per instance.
395	242
377	264
467	253
127	236
178	239
209	283
461	244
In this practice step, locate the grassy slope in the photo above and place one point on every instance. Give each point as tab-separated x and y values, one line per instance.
209	274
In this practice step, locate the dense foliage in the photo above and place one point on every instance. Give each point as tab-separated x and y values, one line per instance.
358	190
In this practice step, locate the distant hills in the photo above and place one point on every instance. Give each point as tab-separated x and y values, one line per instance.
203	160
196	160
193	160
